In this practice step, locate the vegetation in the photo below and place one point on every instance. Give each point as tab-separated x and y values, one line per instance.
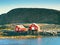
31	15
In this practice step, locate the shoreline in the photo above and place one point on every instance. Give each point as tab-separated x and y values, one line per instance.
20	37
24	37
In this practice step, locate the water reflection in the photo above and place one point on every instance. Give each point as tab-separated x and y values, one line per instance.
37	41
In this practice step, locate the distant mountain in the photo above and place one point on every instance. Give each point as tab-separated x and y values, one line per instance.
31	15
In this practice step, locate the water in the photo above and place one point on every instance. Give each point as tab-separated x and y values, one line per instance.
37	41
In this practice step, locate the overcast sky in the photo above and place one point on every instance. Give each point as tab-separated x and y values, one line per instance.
6	5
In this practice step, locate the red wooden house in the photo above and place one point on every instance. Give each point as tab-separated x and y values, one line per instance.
34	27
20	28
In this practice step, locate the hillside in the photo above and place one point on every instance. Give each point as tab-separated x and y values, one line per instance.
31	15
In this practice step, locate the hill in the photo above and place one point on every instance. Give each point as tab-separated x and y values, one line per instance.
31	15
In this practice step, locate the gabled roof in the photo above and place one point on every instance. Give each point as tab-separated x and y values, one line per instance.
20	26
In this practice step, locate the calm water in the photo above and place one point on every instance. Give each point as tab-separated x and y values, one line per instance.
37	41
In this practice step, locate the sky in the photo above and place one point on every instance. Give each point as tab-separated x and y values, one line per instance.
7	5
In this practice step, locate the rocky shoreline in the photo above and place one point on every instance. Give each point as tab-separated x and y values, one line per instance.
25	35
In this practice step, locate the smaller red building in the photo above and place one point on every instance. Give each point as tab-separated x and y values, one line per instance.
20	28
